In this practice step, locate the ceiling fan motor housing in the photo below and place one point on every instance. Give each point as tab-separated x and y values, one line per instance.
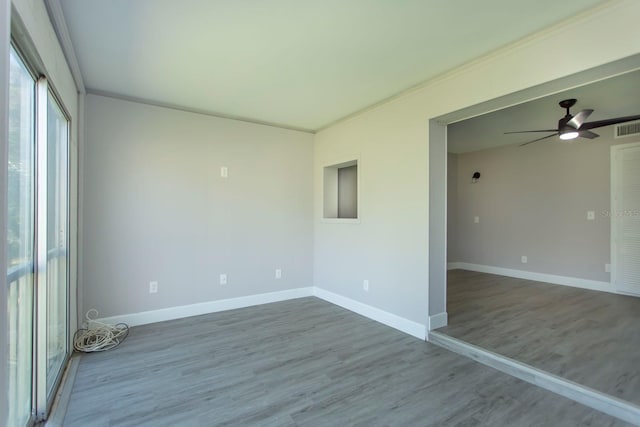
562	123
563	126
565	130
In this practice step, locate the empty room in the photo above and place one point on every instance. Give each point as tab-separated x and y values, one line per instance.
542	262
342	213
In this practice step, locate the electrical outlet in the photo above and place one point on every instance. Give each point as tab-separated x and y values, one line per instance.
365	285
153	287
278	273
524	259
223	279
607	268
476	220
591	215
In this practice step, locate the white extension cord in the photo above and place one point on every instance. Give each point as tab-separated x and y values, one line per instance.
98	336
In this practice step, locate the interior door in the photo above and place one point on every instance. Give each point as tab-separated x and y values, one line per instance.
625	218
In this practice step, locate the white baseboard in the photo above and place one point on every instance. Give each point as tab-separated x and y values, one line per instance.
575	282
400	323
438	320
179	312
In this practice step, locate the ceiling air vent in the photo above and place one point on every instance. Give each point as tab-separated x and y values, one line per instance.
627	129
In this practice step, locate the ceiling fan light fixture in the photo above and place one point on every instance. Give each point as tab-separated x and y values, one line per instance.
574	126
565	136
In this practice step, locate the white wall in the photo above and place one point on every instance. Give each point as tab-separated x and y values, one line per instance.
533	201
390	245
157	209
4	136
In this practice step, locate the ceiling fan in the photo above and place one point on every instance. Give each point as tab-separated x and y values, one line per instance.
571	127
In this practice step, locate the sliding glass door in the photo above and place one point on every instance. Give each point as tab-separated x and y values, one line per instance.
20	236
56	243
37	222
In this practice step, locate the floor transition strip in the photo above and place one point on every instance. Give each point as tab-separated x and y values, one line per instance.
602	402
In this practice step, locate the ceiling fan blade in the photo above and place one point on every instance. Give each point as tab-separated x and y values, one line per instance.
587	134
608	122
528	131
539	139
579	118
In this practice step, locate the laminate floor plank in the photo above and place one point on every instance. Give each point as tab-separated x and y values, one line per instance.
589	337
302	362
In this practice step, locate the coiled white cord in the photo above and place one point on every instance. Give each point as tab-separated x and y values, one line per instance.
98	336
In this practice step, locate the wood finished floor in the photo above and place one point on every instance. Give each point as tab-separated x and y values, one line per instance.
589	337
302	362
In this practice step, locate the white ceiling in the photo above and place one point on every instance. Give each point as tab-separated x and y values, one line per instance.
301	64
614	97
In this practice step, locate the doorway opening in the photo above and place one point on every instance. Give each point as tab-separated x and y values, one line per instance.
468	271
